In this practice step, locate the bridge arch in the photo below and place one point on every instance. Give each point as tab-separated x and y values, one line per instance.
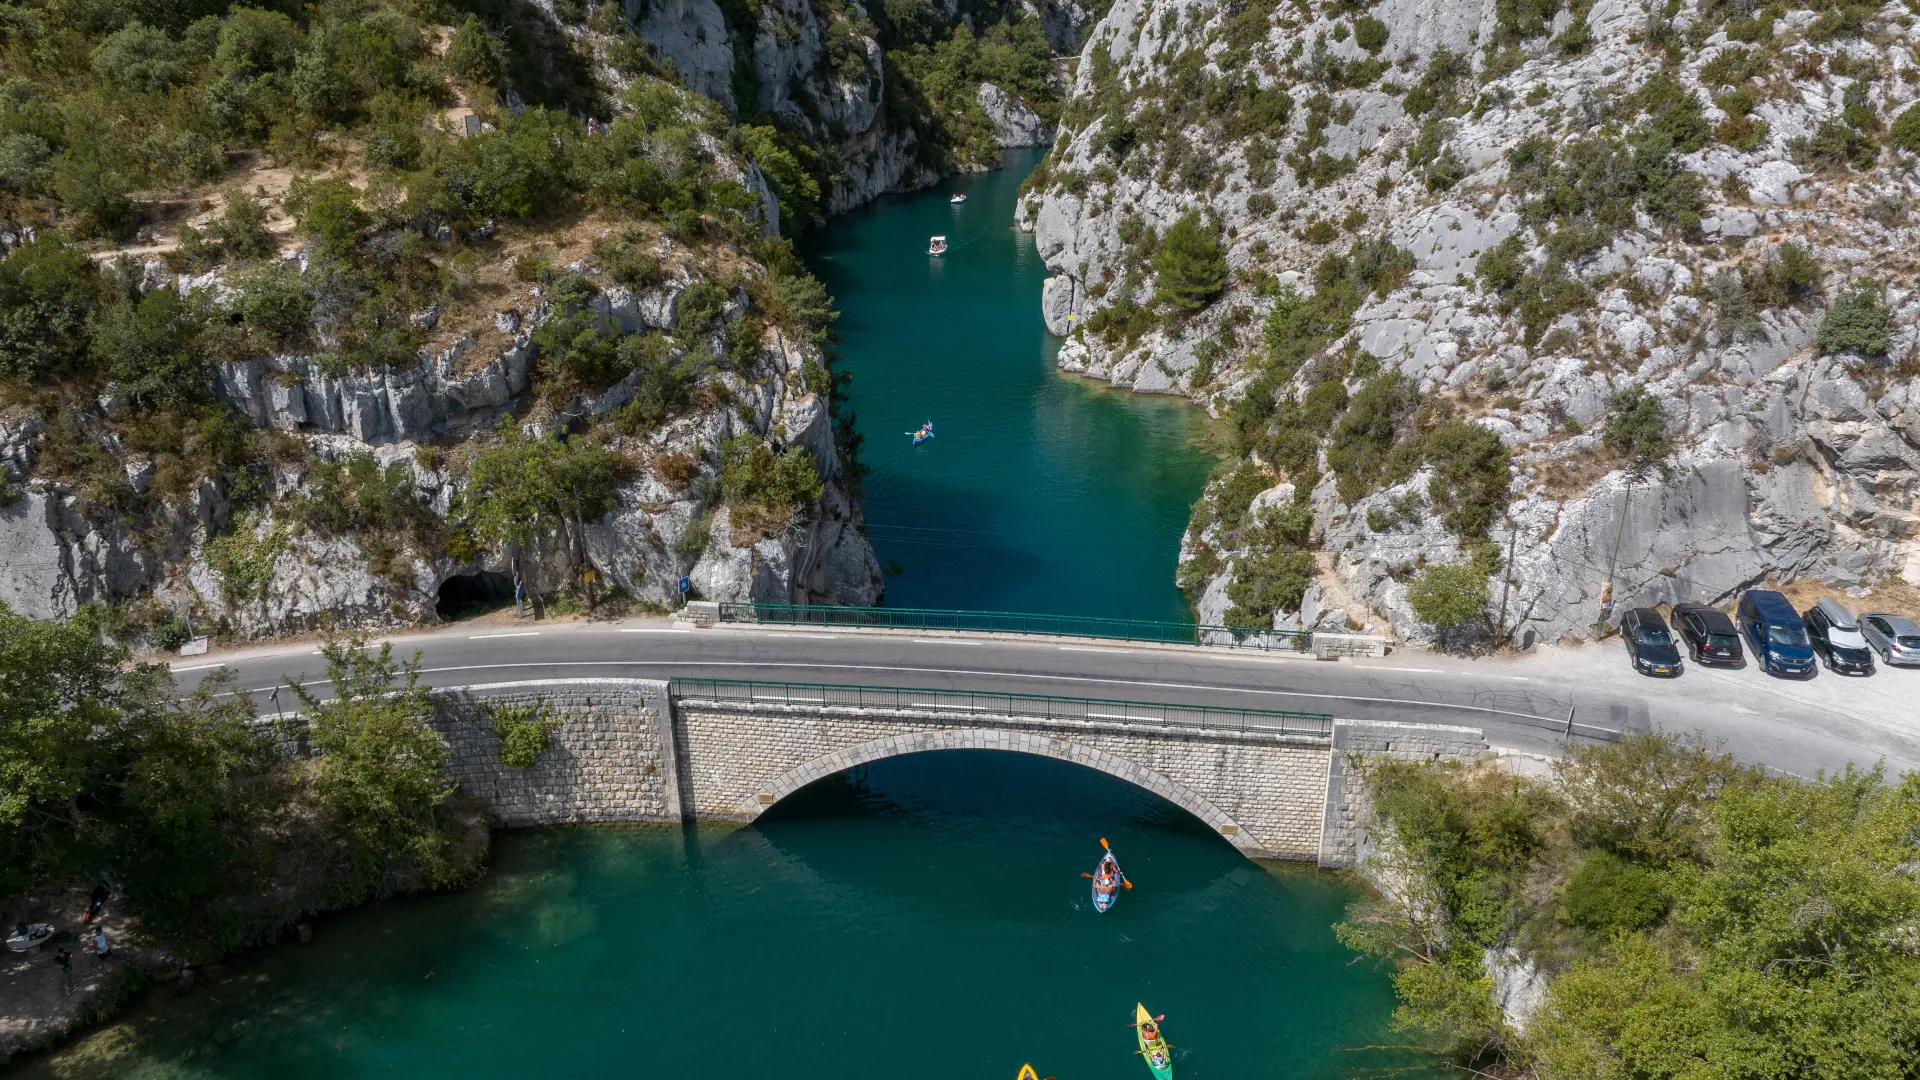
1222	823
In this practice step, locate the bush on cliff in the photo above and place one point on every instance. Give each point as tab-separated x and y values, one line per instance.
1191	266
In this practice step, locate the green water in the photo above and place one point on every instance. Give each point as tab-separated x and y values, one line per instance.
1039	491
923	918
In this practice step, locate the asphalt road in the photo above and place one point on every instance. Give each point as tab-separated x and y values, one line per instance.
1522	703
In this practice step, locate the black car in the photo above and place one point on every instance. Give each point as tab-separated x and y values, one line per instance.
1709	633
1649	643
1836	637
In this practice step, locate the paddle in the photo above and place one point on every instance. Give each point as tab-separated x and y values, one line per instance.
1123	877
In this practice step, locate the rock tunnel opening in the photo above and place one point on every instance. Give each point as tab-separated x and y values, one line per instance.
466	595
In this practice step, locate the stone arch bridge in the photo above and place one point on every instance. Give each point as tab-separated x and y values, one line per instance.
1275	785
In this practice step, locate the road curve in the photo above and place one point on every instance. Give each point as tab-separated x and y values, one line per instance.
1521	704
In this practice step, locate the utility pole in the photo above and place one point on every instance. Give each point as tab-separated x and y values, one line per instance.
1506	584
1606	598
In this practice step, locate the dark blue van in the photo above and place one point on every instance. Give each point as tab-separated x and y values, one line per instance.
1775	633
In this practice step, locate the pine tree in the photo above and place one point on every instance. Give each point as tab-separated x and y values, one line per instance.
1192	268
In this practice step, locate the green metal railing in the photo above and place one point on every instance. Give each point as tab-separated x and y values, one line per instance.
1005	622
985	703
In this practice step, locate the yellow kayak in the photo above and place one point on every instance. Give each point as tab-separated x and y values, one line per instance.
1153	1045
1027	1073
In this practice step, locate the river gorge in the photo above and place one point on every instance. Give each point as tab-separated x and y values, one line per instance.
1039	491
922	915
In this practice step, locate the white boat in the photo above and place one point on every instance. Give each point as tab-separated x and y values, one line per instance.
27	936
937	246
958	199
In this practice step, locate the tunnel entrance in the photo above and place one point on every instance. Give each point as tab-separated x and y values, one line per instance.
466	595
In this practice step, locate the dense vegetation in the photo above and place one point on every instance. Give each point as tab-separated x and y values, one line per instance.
122	122
1696	917
216	833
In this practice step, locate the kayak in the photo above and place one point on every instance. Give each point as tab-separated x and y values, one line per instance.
1103	896
1154	1049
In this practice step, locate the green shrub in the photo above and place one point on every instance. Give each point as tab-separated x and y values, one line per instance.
472	56
169	634
1858	323
1266	583
1190	266
48	292
157	347
1470	477
275	307
764	490
328	210
1835	144
1905	133
1609	894
1370	34
1637	430
1448	596
1360	446
524	732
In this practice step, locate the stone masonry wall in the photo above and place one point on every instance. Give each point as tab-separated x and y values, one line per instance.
608	760
1266	794
1348	807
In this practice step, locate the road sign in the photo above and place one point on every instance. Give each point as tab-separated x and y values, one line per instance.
686	585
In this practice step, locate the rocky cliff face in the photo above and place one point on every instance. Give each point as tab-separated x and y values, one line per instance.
667	519
1435	214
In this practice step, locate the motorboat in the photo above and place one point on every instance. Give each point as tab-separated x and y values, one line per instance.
957	199
29	936
937	246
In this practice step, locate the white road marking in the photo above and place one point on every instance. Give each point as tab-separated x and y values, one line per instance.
516	633
655	630
198	667
989	674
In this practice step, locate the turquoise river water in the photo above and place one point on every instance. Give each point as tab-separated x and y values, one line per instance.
921	918
1039	491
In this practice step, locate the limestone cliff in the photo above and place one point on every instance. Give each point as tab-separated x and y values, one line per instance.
1509	217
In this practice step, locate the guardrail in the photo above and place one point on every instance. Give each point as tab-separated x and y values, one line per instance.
1035	706
1007	622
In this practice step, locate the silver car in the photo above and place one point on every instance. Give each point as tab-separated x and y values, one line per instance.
1895	637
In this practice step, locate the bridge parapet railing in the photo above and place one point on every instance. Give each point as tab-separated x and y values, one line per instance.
1009	622
989	703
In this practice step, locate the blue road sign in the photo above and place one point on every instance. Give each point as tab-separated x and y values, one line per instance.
686	585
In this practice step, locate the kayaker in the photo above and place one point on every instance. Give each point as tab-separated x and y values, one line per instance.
1150	1030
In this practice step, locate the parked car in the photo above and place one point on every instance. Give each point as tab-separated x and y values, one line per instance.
1649	643
1895	637
1836	638
1709	634
1775	633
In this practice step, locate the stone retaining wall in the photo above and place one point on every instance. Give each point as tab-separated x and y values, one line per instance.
608	760
1343	841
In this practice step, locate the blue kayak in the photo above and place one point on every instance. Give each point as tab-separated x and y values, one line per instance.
1106	882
